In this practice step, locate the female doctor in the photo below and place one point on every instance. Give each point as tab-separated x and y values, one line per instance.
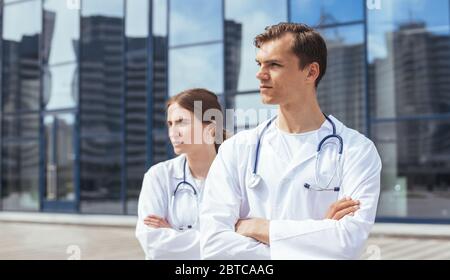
167	226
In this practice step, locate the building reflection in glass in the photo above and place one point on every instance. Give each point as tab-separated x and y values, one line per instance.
195	21
409	56
60	156
136	83
341	91
20	106
101	106
312	12
242	23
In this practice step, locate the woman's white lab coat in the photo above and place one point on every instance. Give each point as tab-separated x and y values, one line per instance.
155	197
298	229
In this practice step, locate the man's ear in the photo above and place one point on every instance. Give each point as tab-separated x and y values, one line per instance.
313	71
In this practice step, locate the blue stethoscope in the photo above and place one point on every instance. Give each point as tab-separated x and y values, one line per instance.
184	194
321	184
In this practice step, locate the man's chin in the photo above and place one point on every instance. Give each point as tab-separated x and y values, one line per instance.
269	101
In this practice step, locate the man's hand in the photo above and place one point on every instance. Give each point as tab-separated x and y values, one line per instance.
255	228
342	208
258	228
156	222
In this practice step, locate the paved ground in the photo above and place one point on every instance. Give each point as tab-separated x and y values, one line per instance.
405	248
53	241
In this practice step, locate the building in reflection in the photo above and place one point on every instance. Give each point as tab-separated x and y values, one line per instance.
102	68
233	42
341	91
101	109
136	109
420	65
160	149
233	46
416	64
20	93
412	80
21	76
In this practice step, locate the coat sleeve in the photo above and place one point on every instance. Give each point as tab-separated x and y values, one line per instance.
331	239
220	212
162	243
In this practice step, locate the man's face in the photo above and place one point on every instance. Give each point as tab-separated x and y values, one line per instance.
281	78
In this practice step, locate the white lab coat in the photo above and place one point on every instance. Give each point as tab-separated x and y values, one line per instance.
298	229
158	186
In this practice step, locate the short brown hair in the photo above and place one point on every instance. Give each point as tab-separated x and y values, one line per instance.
209	101
308	45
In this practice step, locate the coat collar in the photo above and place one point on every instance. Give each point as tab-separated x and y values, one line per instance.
177	168
309	150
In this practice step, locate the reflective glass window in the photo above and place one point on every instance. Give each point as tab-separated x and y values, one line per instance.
415	180
60	88
341	92
243	21
61	32
102	67
101	175
20	175
195	21
327	12
409	58
199	66
20	44
60	157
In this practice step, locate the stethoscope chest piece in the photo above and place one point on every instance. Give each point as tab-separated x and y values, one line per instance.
254	181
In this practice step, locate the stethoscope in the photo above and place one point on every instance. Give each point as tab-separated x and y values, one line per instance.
184	187
319	185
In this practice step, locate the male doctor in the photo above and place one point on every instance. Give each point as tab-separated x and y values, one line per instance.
299	186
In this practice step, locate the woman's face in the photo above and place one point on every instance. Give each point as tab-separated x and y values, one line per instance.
186	132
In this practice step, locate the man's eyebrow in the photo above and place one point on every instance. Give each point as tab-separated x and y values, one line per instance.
269	61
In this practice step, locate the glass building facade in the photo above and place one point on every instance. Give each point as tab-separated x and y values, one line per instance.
84	83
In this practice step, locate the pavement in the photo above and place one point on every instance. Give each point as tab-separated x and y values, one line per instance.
38	236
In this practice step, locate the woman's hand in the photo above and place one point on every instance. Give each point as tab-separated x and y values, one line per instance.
342	208
156	222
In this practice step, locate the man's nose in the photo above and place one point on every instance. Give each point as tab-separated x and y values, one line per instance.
262	75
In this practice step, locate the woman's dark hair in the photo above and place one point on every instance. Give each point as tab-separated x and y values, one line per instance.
208	100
